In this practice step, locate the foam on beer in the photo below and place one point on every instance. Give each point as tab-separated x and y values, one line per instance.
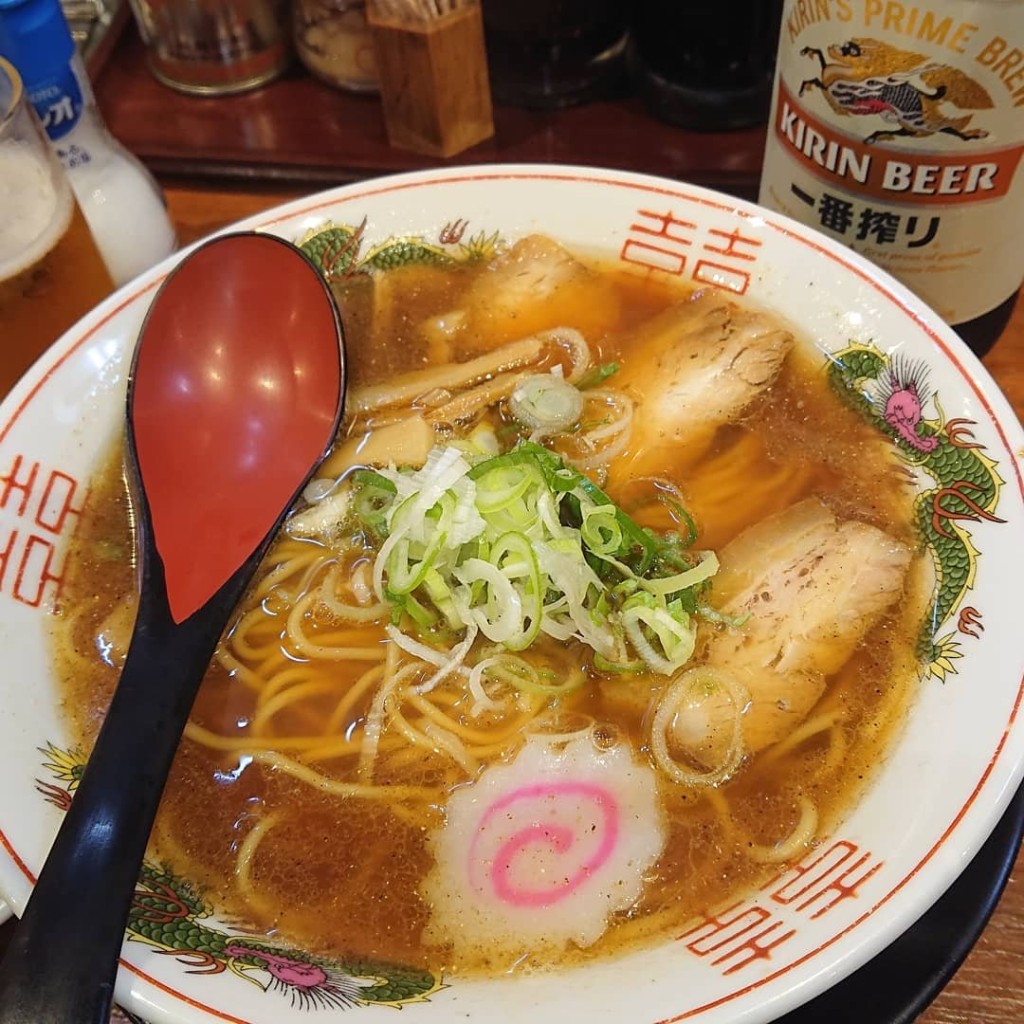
38	208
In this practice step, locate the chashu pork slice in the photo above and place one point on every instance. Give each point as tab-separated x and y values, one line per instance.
812	586
535	286
694	367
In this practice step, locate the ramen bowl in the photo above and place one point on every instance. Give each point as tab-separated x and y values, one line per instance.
951	770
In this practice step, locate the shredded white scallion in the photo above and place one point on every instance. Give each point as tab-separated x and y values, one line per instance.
453	663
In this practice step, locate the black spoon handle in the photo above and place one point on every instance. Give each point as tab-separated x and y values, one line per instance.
235	394
62	962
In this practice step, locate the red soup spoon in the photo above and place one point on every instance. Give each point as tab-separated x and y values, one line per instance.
235	395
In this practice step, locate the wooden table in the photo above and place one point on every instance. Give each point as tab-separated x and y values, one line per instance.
299	130
989	987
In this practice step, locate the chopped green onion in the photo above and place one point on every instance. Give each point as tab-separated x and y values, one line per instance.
520	544
704	570
596	376
663	636
525	677
600	529
546	403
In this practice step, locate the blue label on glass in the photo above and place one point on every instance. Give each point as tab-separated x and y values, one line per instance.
58	101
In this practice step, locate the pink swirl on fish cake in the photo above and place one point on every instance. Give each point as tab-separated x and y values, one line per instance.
559	838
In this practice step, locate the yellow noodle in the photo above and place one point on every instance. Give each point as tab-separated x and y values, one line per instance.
277	661
400	760
249	744
732	462
423	816
335	787
283	675
334	749
483	751
286	698
297	613
722	489
352	696
402	755
412	734
717	483
720	805
812	727
837	747
78	664
351	612
832	699
341	748
243	862
452	746
795	843
301	644
452	698
725	507
84	653
322	563
241	641
260	639
231	664
307	556
354	635
466	732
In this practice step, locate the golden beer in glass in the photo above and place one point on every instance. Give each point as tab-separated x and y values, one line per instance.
51	272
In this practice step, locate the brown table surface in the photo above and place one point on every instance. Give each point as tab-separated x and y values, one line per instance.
299	130
989	987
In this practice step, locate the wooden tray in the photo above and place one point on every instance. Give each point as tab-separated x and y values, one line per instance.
299	130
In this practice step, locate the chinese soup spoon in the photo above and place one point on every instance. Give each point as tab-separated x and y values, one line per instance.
234	397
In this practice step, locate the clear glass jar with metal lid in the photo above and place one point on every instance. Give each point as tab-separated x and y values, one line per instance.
333	41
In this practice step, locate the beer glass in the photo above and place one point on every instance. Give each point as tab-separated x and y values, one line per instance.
50	269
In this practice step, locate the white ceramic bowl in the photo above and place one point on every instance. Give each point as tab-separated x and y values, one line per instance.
944	787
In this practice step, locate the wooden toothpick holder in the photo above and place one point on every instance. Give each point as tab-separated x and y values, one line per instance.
433	81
